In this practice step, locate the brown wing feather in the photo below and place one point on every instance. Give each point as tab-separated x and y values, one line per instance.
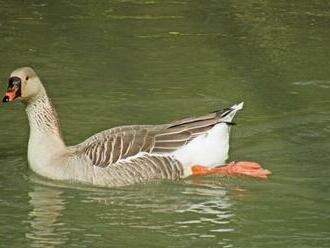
180	132
110	146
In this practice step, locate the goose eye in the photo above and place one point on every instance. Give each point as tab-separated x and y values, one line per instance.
27	78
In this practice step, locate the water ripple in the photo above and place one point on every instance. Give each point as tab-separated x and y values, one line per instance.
317	83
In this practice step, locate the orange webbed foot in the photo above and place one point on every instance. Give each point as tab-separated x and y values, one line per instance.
246	168
243	168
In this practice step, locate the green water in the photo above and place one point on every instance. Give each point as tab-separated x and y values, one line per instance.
109	63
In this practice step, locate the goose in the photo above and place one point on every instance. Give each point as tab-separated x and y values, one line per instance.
127	154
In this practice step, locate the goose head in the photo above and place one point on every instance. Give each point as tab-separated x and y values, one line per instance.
23	84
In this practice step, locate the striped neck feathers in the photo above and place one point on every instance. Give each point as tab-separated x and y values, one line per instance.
42	116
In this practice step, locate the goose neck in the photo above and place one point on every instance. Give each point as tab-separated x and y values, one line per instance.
43	117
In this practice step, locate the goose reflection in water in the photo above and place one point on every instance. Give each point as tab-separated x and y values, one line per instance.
47	207
190	210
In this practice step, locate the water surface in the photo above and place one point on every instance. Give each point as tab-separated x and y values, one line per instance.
147	62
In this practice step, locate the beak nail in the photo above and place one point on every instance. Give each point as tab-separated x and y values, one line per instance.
5	99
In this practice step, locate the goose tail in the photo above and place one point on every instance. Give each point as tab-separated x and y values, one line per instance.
227	115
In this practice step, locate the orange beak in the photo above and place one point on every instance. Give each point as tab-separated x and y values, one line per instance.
13	90
10	95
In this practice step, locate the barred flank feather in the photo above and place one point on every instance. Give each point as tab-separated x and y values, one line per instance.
145	168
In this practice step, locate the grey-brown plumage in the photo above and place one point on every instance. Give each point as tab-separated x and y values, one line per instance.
109	147
143	168
131	154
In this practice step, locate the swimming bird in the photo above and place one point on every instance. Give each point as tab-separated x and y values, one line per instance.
127	154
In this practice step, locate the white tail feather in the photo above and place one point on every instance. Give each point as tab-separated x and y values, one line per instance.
210	148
